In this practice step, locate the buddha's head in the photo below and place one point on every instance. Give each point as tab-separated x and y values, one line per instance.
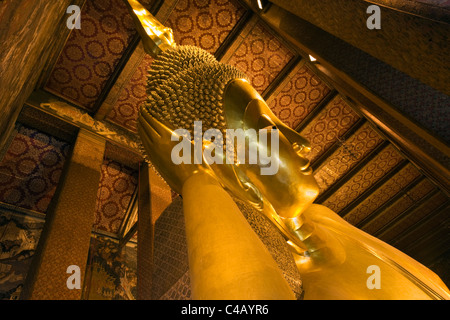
187	84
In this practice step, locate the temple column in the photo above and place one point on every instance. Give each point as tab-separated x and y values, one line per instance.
154	197
66	236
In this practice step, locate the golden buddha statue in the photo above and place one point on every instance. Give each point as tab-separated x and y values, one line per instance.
188	86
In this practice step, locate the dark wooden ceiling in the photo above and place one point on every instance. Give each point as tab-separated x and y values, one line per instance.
101	71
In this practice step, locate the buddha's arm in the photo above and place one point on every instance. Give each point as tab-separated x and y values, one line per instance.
226	258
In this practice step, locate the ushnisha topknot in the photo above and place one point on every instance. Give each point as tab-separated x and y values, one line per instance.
186	84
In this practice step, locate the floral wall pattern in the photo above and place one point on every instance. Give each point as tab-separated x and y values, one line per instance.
261	56
204	23
31	169
117	185
92	53
298	96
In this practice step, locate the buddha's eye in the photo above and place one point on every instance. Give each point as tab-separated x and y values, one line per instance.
268	128
298	148
264	122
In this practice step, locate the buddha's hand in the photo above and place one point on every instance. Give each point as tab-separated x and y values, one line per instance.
157	141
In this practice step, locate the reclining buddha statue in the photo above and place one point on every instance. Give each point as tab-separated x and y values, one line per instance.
187	87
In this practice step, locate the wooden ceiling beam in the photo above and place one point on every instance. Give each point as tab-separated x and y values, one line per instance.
125	239
355	127
45	102
129	215
412	231
373	188
292	64
425	241
98	112
390	202
339	183
405	213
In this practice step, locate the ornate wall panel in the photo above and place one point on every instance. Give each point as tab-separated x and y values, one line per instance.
422	211
261	56
298	97
385	161
31	168
125	111
170	252
111	271
19	236
204	23
117	185
400	206
92	53
181	290
328	126
389	189
351	151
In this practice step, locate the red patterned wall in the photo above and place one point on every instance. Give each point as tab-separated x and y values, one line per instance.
261	56
385	161
353	150
329	126
117	185
204	23
31	168
92	53
299	96
125	111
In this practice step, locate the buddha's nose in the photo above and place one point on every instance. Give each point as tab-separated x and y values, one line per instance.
299	150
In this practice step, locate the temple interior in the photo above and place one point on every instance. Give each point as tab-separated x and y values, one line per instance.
374	104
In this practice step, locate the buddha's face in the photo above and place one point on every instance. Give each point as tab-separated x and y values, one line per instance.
289	186
292	188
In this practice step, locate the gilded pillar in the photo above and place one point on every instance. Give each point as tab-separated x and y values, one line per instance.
66	235
154	197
